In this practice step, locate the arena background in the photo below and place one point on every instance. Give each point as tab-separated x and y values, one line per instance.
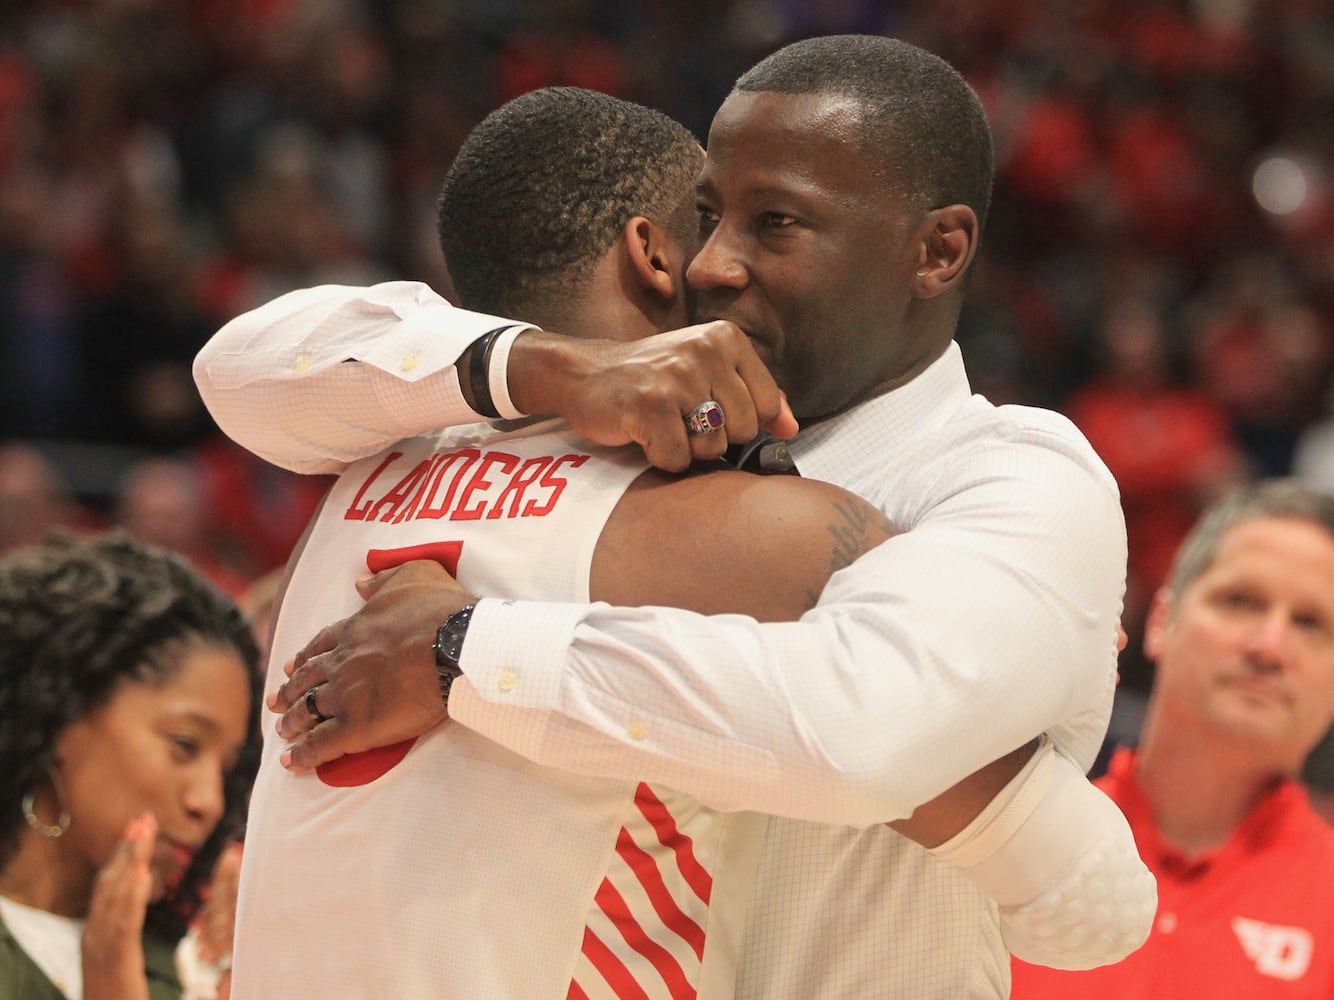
1159	263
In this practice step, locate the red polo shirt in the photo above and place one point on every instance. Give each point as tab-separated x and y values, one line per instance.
1253	920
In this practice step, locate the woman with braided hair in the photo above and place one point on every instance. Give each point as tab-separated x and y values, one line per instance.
129	694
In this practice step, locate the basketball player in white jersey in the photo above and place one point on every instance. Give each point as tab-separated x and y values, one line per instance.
447	866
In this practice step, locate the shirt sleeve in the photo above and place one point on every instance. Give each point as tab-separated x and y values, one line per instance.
321	377
991	621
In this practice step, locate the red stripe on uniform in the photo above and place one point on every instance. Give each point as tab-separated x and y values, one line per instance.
611	968
576	993
664	824
610	902
645	869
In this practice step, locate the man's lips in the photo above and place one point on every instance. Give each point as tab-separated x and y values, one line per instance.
1260	687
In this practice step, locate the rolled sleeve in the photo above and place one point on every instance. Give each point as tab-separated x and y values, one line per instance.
321	377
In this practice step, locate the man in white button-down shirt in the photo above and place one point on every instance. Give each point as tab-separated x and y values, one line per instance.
462	848
991	620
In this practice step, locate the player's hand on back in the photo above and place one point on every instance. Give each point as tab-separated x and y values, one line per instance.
374	673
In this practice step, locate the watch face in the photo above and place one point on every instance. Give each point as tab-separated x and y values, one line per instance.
449	640
453	646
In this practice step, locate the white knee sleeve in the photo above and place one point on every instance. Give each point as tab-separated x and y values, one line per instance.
1058	857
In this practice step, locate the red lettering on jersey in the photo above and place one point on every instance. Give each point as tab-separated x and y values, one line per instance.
464	458
357	513
455	485
409	510
556	483
392	502
479	482
525	477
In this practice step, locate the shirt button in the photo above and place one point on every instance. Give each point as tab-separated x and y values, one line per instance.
637	730
507	681
302	363
1167	923
408	363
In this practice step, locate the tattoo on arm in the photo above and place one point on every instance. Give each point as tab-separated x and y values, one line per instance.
850	532
855	529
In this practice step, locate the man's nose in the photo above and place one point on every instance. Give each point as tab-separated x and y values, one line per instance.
717	265
1269	641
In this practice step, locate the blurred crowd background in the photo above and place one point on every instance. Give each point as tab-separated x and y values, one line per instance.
1159	263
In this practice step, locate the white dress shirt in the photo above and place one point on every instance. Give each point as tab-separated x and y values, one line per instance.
990	619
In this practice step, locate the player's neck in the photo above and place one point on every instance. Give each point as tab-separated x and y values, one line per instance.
607	315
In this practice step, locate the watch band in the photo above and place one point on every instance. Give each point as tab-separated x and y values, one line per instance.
449	646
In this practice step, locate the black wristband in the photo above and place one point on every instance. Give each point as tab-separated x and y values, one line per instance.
479	374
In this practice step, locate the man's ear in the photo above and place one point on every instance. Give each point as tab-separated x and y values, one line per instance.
650	257
949	239
1157	622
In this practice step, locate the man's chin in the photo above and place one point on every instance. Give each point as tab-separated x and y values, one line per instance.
1254	721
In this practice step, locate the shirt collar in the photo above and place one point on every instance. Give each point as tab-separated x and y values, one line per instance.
1259	827
888	421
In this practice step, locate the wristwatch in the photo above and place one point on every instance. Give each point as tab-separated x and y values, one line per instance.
449	646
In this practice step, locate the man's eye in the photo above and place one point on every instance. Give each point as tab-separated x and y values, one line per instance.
708	220
777	220
1311	623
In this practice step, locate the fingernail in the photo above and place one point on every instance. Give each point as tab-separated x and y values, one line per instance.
285	758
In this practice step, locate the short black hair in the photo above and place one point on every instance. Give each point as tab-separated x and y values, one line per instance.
920	116
543	186
79	617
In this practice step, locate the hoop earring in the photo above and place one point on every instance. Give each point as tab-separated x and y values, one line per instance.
34	821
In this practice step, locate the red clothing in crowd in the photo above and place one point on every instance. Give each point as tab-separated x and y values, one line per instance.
1253	920
1169	449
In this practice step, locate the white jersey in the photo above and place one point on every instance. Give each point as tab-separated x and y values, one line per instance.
448	867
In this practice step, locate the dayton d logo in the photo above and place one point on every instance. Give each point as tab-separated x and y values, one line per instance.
1278	952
